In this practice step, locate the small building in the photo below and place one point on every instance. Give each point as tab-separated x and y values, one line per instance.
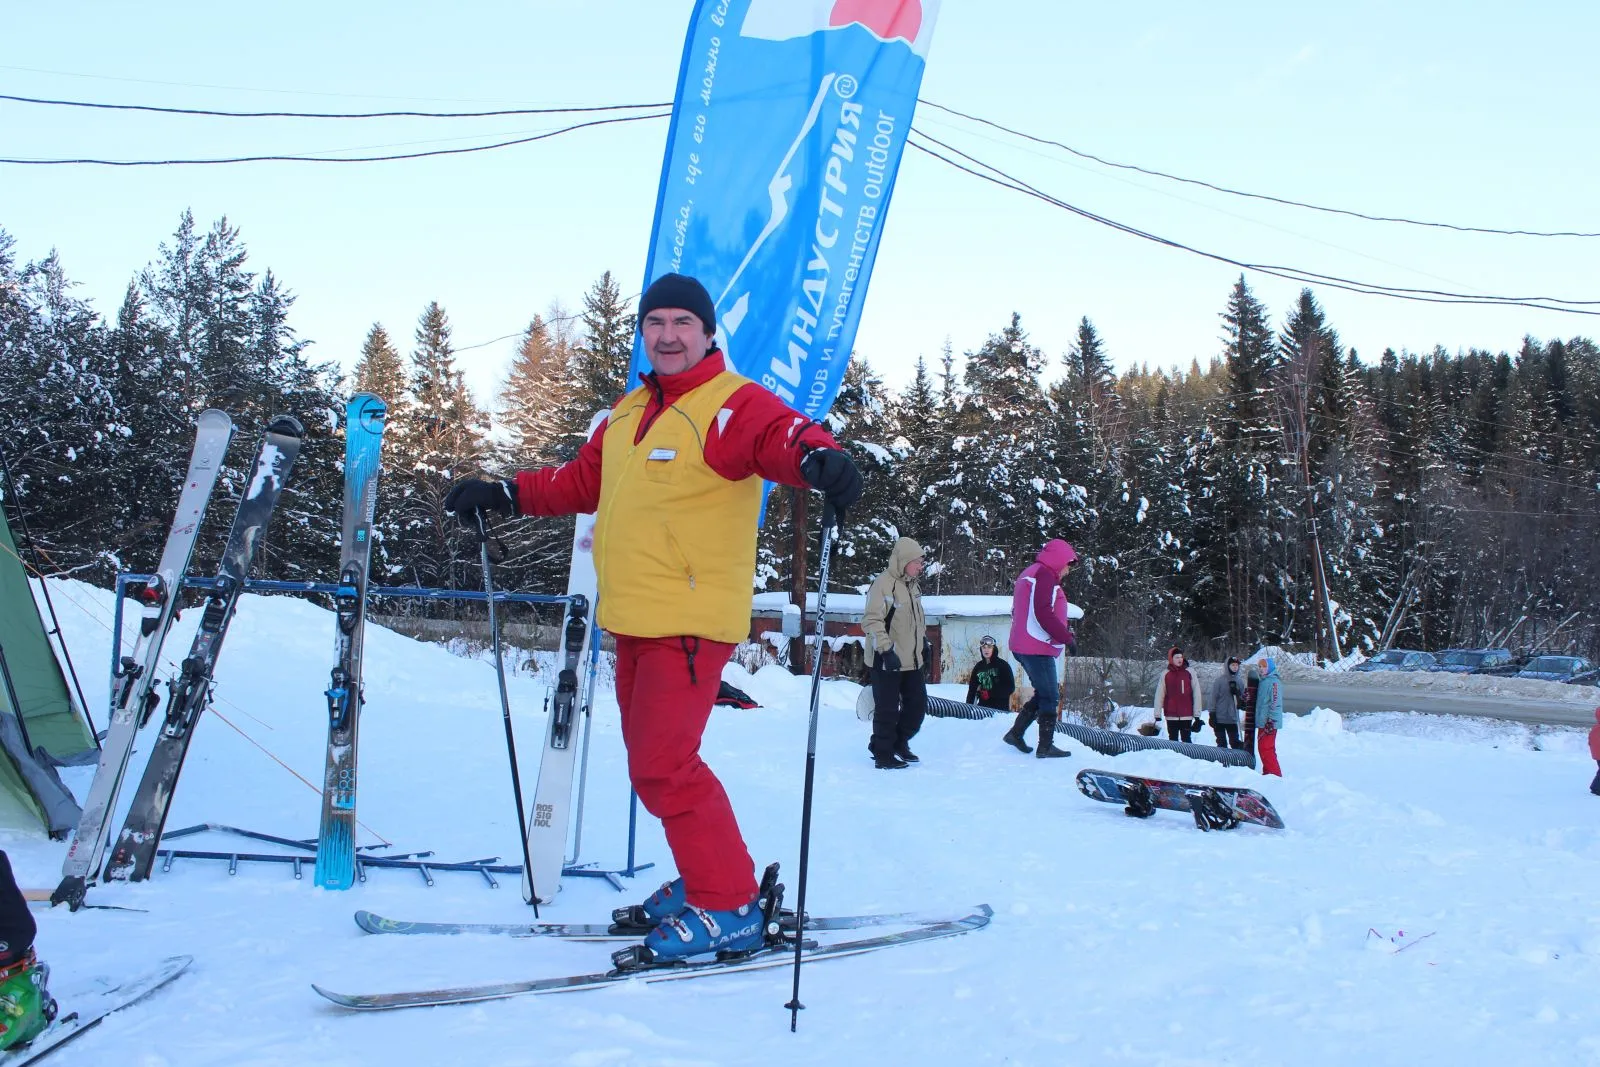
955	626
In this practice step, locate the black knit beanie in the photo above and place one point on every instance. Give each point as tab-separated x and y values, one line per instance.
680	291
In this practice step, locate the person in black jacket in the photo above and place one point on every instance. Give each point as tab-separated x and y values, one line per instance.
992	682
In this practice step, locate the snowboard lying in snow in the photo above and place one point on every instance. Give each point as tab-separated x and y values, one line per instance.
80	1014
1211	805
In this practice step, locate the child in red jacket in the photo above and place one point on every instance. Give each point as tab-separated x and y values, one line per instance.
1594	750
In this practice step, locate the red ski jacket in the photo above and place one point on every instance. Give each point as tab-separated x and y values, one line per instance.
756	433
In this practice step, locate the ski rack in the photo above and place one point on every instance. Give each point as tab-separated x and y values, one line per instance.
410	861
570	865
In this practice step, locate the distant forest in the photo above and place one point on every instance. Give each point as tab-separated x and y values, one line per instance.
1289	490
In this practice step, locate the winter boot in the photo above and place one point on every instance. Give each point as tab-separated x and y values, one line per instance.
889	763
1013	736
904	754
664	903
1047	745
1141	804
26	1006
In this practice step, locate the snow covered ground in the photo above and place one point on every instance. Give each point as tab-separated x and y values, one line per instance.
1115	941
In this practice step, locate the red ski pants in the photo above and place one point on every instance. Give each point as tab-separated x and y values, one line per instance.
1267	747
665	688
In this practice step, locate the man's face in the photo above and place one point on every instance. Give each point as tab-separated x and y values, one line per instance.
674	339
1233	668
1178	660
987	649
914	568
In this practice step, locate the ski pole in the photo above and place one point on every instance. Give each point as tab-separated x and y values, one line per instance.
505	702
829	517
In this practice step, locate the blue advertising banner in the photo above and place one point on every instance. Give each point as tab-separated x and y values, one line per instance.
787	130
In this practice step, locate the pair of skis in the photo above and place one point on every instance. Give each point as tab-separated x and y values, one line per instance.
133	696
784	936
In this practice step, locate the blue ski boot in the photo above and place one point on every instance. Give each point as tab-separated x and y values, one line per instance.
697	931
663	904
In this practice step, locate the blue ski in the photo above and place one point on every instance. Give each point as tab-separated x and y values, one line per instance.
336	838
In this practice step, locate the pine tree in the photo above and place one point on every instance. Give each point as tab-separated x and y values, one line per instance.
535	400
1010	497
536	396
598	367
442	443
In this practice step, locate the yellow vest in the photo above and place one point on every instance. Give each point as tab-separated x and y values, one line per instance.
674	541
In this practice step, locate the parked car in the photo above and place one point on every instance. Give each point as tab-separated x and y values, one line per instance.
1555	668
1398	659
1475	661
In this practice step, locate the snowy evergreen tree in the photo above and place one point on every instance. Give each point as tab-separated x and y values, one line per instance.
440	441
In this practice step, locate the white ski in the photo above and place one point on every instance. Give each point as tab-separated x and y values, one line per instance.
551	818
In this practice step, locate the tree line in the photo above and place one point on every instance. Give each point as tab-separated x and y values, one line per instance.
1287	490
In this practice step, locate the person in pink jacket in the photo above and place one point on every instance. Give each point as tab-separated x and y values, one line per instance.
1594	750
1039	633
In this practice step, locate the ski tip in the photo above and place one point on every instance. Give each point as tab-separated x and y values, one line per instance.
287	425
373	923
342	999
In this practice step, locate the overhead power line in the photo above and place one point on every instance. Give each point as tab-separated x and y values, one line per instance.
329	159
992	124
1241	192
333	114
1305	277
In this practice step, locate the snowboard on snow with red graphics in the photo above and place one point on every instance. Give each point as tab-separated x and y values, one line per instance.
1213	806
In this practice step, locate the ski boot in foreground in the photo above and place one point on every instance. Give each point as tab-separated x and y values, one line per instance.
26	1006
663	904
731	934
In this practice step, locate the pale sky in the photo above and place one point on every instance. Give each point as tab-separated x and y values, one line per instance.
1472	114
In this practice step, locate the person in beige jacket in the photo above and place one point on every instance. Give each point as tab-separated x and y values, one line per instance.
896	628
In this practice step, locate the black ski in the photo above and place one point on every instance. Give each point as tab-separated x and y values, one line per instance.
336	839
135	849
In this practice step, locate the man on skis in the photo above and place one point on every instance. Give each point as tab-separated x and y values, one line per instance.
673	475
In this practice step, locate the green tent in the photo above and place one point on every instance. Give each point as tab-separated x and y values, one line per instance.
41	726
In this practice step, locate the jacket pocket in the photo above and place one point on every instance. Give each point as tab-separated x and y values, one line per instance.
678	554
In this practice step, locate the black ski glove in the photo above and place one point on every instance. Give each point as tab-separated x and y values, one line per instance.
475	495
834	475
889	661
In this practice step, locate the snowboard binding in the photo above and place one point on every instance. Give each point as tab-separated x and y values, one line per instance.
1211	812
1141	803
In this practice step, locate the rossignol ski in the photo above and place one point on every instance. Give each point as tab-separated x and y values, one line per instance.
133	694
336	839
552	795
135	849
